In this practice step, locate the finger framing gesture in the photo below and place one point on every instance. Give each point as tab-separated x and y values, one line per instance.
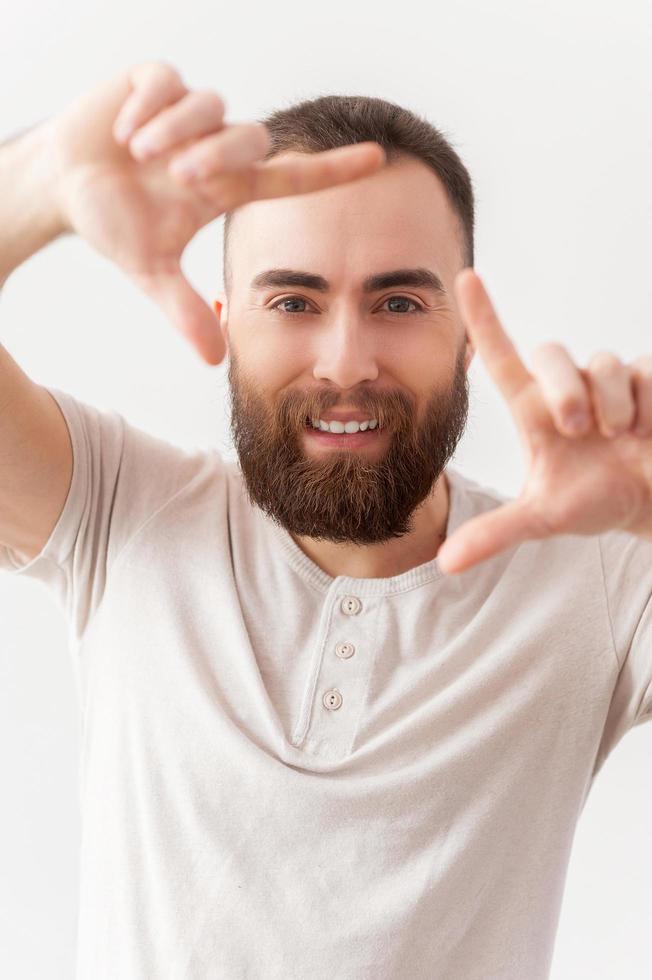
586	431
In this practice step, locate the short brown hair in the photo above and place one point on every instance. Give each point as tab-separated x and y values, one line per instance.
330	121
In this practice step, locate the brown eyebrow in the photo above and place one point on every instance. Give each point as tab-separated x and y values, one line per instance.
419	277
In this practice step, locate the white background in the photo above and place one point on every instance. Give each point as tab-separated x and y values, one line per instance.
549	106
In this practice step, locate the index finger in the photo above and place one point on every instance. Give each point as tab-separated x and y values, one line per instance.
488	335
296	172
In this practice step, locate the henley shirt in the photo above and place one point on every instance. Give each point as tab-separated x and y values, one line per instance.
286	775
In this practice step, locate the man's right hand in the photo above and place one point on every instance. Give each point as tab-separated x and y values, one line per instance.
137	212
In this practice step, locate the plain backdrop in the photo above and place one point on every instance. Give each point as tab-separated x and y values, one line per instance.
549	106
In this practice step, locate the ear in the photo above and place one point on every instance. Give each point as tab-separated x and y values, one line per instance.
469	347
221	307
469	353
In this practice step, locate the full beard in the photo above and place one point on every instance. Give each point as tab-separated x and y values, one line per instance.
342	496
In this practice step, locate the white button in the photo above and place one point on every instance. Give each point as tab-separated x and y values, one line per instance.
332	699
345	650
350	605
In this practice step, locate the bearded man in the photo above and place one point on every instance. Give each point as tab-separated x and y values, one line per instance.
342	705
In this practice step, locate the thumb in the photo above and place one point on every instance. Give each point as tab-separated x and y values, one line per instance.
187	311
486	535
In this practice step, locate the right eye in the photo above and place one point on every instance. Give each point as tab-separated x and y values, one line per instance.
288	299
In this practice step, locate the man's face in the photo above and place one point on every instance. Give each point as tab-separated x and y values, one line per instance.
394	352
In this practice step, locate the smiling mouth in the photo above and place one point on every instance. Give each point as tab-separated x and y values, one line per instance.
343	440
338	427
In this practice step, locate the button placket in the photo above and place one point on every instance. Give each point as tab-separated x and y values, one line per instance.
338	691
350	605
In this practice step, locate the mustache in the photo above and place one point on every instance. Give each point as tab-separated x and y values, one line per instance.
394	410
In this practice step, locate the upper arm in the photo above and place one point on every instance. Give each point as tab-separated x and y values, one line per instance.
36	461
78	484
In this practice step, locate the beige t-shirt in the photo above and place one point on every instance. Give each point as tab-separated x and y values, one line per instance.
289	775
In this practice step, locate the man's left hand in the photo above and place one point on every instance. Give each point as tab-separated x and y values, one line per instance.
581	480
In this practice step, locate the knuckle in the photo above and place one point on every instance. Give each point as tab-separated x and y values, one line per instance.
218	154
264	136
261	137
153	83
254	141
543	355
253	178
146	70
294	176
251	136
210	98
642	368
238	189
605	363
571	405
164	69
550	347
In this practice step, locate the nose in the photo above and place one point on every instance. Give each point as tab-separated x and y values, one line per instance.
346	354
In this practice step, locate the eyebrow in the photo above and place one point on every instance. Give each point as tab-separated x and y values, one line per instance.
420	277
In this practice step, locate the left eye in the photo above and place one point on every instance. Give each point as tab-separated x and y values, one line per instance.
298	299
404	299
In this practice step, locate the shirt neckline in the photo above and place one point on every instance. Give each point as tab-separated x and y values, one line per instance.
429	571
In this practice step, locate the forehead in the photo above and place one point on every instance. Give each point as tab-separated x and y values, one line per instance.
399	215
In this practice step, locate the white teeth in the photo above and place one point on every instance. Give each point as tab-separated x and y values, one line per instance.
339	427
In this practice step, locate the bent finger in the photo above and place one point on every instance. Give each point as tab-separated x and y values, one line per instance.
564	390
155	84
612	393
194	115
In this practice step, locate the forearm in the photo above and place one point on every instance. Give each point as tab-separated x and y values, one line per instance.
29	217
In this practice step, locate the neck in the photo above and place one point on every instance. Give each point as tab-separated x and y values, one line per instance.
387	558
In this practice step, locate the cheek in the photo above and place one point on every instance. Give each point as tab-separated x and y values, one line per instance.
422	367
272	364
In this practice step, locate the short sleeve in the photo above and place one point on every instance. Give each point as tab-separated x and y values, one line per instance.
627	571
121	476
